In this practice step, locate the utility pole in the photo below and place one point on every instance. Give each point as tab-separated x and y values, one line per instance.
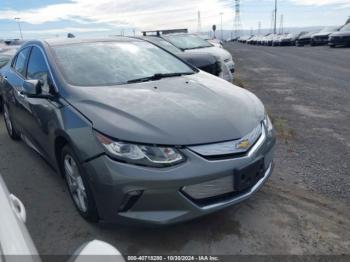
275	20
272	21
237	22
259	28
19	26
199	22
222	36
281	25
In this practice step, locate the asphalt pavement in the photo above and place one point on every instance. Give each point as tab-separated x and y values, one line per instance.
304	207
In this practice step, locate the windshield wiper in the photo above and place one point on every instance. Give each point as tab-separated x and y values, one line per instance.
192	48
156	77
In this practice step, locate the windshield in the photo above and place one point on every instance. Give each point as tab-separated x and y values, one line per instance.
329	29
186	42
164	44
112	63
345	27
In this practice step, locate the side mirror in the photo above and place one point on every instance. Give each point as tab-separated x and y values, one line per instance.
32	88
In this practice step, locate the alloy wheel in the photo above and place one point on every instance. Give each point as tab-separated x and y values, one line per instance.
75	183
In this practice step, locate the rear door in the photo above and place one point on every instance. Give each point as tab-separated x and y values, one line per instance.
37	113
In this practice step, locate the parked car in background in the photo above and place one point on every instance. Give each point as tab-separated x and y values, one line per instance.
269	39
341	37
251	40
304	39
276	41
143	137
204	61
288	39
16	243
6	55
191	43
321	38
215	42
244	39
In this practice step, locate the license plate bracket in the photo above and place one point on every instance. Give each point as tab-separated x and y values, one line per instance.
248	176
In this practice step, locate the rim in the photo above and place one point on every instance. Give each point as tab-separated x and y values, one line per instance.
75	183
7	119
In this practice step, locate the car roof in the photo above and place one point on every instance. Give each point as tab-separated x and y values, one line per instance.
69	41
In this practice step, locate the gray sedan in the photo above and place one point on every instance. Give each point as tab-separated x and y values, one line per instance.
139	135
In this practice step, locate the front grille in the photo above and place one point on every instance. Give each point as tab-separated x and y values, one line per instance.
230	149
241	182
321	38
209	189
214	69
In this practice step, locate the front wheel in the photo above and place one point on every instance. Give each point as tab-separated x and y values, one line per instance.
77	185
11	130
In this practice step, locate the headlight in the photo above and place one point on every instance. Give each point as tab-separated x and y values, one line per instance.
154	156
268	124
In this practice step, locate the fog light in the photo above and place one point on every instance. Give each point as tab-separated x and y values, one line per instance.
129	200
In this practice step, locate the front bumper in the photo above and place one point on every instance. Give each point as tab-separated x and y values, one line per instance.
162	200
339	40
320	40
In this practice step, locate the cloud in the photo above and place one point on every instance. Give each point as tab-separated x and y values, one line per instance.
137	13
344	3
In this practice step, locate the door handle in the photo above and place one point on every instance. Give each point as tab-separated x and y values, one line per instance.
20	93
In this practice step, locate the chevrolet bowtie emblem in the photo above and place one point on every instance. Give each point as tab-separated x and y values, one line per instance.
244	144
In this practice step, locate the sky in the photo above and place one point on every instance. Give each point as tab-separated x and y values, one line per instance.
50	18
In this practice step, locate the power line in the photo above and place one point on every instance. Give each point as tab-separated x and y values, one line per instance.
281	24
19	26
275	18
199	22
222	37
272	21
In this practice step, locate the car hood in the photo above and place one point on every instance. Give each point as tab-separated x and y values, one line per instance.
322	34
341	33
187	110
216	51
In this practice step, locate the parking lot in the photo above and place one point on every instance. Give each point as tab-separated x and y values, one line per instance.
303	209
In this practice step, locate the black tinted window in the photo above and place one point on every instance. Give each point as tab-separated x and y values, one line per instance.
20	63
37	68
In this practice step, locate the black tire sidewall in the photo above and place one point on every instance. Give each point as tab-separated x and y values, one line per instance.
91	214
14	135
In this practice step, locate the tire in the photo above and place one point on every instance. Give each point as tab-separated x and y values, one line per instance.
332	46
11	130
78	188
